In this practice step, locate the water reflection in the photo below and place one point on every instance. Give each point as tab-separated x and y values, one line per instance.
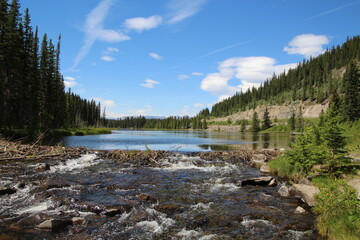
185	141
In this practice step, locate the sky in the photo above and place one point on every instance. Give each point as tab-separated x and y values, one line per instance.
176	57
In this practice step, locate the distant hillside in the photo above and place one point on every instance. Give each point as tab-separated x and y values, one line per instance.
311	83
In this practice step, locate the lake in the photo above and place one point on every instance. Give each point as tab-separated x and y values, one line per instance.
183	141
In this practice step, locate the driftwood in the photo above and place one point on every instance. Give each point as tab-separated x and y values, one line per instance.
17	151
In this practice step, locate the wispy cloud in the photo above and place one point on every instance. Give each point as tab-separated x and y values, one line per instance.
140	24
156	56
149	83
105	102
111	50
182	9
108	58
197	74
213	52
143	112
308	45
70	82
183	77
94	30
331	10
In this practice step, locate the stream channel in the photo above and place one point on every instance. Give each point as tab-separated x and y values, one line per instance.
183	197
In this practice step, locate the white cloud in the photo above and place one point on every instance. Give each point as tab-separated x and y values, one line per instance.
149	83
249	71
309	45
198	105
108	58
155	56
138	112
140	24
70	82
105	102
111	50
182	9
183	76
114	115
197	74
94	30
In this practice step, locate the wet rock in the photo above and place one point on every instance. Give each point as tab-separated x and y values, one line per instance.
257	160
43	167
170	208
284	191
259	181
54	184
20	185
300	210
4	191
78	221
306	181
146	198
117	210
265	168
305	192
55	225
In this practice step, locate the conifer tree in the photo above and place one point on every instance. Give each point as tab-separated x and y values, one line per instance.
266	120
352	92
255	127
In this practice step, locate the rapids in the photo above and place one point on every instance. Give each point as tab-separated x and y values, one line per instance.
185	197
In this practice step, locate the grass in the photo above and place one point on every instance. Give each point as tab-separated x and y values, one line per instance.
338	209
283	168
352	134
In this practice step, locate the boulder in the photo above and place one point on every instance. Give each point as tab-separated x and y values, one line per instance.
259	181
265	168
300	210
305	181
355	183
55	225
4	191
284	191
305	192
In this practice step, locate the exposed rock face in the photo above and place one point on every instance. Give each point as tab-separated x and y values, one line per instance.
265	168
55	225
305	192
259	181
310	110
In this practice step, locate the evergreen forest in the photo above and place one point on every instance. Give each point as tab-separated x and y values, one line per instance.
32	93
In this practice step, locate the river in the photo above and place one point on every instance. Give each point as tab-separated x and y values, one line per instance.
183	197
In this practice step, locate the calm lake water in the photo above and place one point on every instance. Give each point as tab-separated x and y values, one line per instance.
183	141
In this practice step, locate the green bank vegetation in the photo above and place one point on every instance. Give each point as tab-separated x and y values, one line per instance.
320	152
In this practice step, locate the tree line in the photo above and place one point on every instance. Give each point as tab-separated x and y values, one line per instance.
32	92
311	80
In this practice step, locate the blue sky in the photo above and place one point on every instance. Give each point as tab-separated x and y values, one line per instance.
175	57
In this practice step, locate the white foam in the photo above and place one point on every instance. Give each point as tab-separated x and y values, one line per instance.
40	207
77	163
188	234
251	222
231	187
201	206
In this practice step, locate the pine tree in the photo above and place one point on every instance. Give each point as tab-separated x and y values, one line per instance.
300	120
292	121
266	120
352	92
255	127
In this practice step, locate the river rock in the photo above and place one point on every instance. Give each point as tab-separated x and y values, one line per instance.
170	208
259	181
300	210
305	192
257	160
55	225
78	221
265	168
146	198
117	210
4	191
43	167
284	191
54	184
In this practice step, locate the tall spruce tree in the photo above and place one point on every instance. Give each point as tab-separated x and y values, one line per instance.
266	120
352	92
255	126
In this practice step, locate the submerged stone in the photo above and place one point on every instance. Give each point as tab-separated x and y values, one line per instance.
55	225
